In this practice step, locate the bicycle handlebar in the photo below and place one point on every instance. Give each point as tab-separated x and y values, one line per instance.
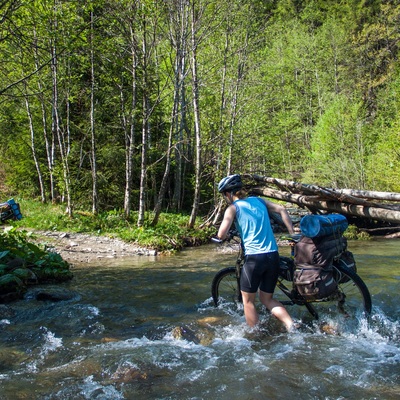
231	234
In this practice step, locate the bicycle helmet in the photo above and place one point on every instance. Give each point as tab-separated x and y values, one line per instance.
230	183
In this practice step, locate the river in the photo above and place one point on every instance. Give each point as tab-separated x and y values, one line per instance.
145	328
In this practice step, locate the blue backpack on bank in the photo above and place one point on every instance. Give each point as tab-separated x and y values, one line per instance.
10	210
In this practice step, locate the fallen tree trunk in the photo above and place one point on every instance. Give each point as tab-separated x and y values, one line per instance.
371	194
367	207
393	235
314	203
362	197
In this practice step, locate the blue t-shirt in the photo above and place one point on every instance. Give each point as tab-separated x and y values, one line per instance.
254	226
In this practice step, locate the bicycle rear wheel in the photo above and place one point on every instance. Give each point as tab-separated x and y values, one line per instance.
225	287
350	303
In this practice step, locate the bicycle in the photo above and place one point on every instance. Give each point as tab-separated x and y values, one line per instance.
351	299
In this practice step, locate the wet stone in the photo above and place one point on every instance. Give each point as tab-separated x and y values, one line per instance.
51	294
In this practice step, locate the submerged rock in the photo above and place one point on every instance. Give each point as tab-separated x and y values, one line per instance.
51	294
198	335
185	333
125	374
328	329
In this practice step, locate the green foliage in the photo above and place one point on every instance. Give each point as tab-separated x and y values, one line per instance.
339	146
170	234
385	169
23	263
299	89
353	233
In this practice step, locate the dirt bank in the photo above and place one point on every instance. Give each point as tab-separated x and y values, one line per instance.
79	248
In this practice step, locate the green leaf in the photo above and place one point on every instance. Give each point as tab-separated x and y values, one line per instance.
4	253
22	273
36	250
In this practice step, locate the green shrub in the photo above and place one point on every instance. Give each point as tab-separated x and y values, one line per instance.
23	263
170	234
353	233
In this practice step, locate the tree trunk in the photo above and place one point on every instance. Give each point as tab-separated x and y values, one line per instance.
130	135
178	27
371	195
332	206
56	128
347	195
143	166
92	121
196	111
33	148
49	142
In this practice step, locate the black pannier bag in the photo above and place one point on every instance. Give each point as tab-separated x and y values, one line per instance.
286	268
319	251
346	260
313	282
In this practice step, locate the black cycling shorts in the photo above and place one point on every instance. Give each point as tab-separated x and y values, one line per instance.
260	271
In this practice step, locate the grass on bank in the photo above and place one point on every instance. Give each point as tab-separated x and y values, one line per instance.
170	234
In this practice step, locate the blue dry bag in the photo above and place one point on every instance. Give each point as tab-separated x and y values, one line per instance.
323	225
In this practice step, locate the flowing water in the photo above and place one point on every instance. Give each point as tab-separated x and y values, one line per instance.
145	328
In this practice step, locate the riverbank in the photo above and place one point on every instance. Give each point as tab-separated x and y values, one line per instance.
81	248
170	234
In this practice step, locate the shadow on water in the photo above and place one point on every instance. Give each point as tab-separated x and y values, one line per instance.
146	329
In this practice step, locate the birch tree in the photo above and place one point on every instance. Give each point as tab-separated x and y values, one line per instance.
195	16
150	15
129	126
33	145
61	135
49	138
92	118
179	31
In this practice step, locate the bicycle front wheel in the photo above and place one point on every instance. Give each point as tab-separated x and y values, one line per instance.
225	287
354	290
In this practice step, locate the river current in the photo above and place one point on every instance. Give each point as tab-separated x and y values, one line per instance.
146	328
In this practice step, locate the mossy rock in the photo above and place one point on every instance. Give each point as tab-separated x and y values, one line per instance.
51	294
24	263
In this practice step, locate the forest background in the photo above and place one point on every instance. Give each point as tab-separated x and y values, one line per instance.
140	107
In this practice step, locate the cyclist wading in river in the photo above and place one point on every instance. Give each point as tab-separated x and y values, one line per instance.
260	270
